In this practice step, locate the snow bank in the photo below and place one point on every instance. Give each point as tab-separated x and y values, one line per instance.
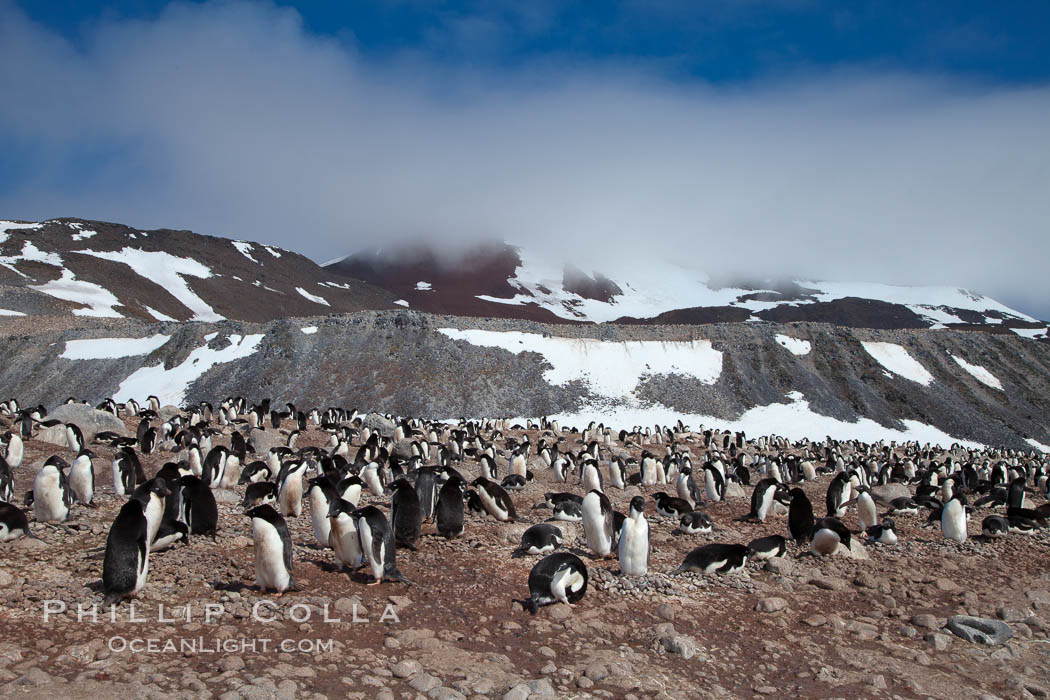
109	348
309	330
245	249
897	360
158	315
312	297
1038	445
8	312
609	369
6	226
795	346
424	287
166	270
402	302
100	300
979	373
170	385
272	251
1032	333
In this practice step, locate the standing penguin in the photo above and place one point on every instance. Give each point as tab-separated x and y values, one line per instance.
343	537
15	450
199	510
273	550
450	507
126	561
634	540
127	471
1015	495
82	478
558	578
52	497
953	519
377	545
762	499
867	515
321	493
406	516
598	523
592	477
495	500
290	487
714	483
800	516
838	494
74	437
426	489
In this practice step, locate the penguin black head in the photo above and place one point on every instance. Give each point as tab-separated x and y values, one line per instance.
340	506
637	504
264	512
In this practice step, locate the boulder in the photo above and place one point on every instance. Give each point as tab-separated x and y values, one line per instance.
887	492
168	412
263	440
385	426
980	630
90	420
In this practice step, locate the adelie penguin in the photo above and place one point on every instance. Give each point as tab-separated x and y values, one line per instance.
260	493
883	533
127	471
406	516
51	496
449	512
13	523
343	536
995	526
199	510
542	538
426	490
670	506
74	437
715	558
953	519
800	516
290	487
696	523
320	494
495	500
273	550
558	578
82	478
598	523
126	562
767	547
377	545
828	534
762	499
634	540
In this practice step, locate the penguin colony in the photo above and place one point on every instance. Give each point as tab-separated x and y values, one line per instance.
424	478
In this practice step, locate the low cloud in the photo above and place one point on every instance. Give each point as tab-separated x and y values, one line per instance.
232	119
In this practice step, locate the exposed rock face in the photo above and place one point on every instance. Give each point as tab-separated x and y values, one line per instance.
90	420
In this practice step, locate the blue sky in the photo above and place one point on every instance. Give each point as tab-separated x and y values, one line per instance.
902	142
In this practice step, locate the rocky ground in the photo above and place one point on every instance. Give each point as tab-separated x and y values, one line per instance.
796	626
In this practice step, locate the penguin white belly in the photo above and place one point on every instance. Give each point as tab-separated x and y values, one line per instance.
766	503
371	479
809	472
376	564
270	572
661	473
319	516
591	481
517	465
634	547
345	541
566	580
291	496
888	536
231	472
594	527
143	571
824	542
118	481
648	474
614	476
710	490
153	512
80	481
953	521
5	534
866	512
352	493
48	505
494	509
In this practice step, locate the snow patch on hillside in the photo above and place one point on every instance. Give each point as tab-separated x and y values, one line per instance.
610	369
1032	333
99	299
308	330
6	226
158	315
402	302
424	287
897	360
1038	445
111	348
8	312
312	297
166	270
171	385
795	346
979	373
272	251
245	249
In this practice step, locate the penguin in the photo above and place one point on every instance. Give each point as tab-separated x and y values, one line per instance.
320	493
343	536
495	500
696	523
671	507
838	494
15	450
406	516
552	499
883	533
199	510
13	523
148	441
800	516
828	534
904	505
953	519
715	558
426	490
592	477
598	523
557	578
370	477
714	483
513	482
568	511
82	478
127	471
214	467
634	541
767	547
1022	525
273	550
542	538
1015	497
52	497
617	473
762	499
995	526
290	487
254	472
126	561
377	545
867	516
259	493
74	438
449	512
474	502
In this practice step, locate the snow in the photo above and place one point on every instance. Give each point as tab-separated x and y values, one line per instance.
168	271
110	348
170	385
401	302
979	373
245	249
926	299
6	226
211	336
337	285
272	251
312	297
158	315
424	287
8	312
1032	333
795	346
609	369
794	421
309	330
100	300
31	252
334	261
84	234
897	360
1038	445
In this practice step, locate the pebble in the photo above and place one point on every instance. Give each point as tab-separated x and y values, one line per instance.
771	605
406	669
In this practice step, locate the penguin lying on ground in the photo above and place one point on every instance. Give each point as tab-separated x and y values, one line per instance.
558	578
